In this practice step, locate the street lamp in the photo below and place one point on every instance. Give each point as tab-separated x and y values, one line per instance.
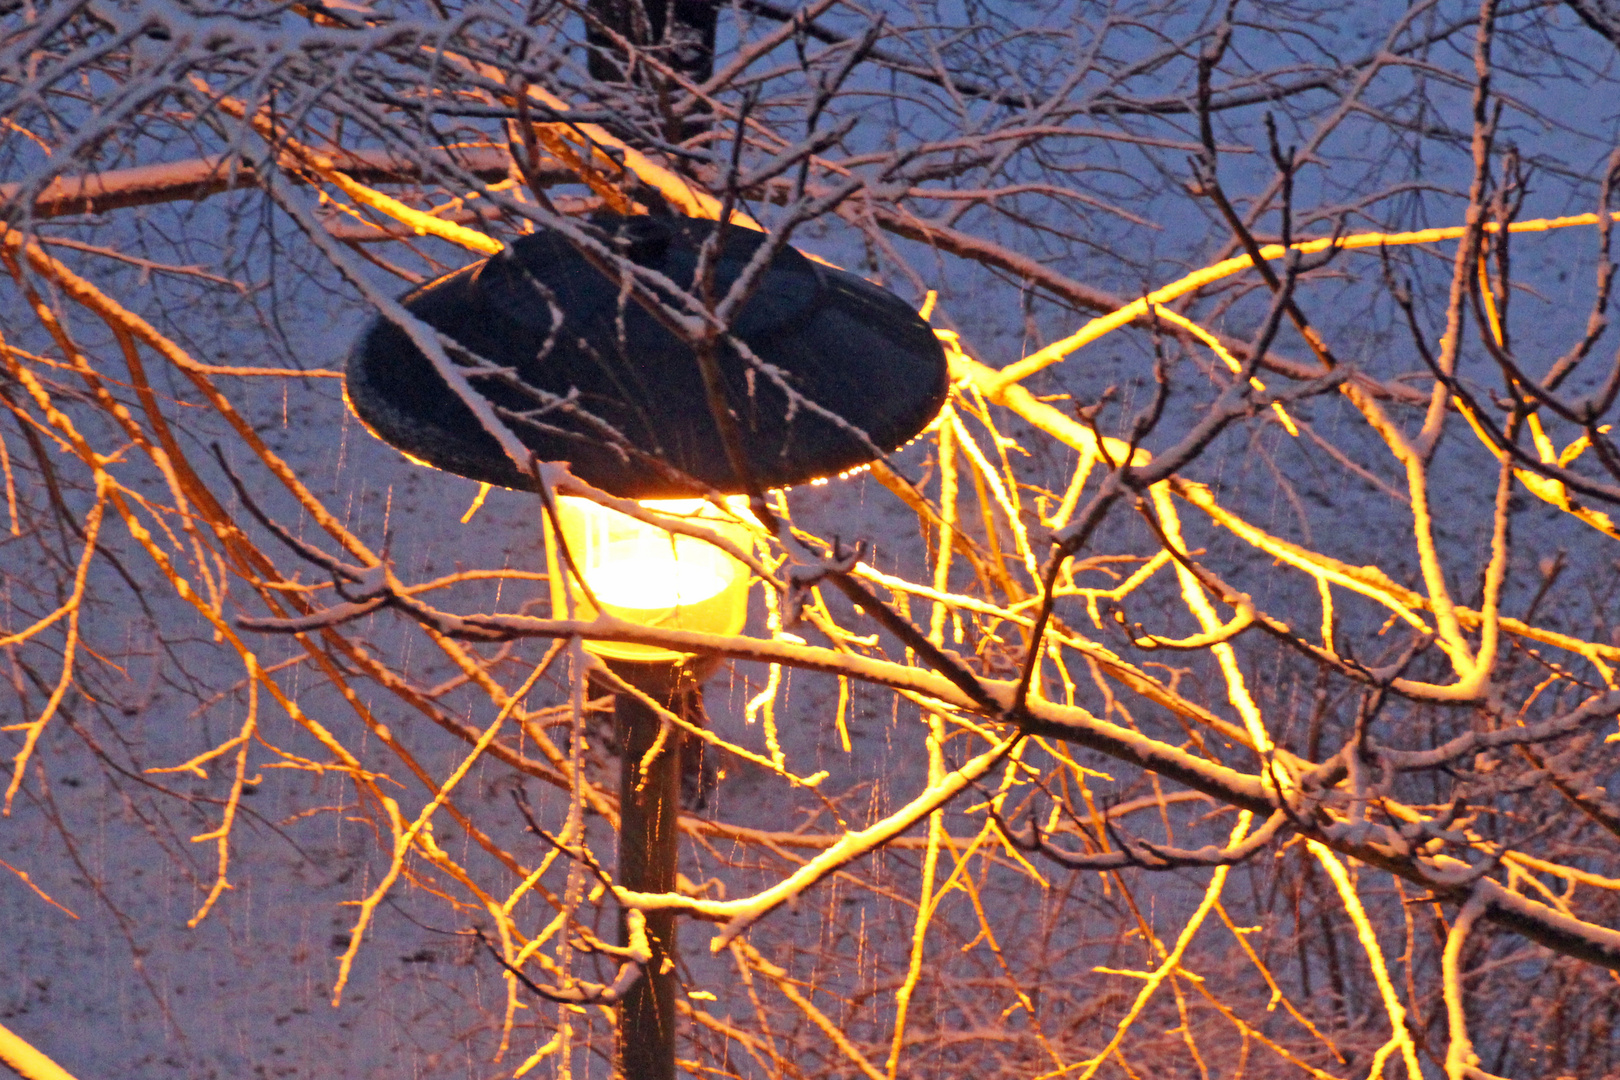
579	346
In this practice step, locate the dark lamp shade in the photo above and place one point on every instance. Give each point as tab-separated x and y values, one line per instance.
621	397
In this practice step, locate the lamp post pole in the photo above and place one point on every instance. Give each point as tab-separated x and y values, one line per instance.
649	809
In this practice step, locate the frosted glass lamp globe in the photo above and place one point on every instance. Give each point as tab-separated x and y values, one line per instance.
647	575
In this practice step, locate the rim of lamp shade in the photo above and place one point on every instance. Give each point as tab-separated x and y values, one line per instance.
629	413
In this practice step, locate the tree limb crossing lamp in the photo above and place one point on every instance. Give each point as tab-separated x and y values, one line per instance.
591	350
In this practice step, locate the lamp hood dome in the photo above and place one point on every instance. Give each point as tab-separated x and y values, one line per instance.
591	377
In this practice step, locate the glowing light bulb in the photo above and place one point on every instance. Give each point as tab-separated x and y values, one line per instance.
649	576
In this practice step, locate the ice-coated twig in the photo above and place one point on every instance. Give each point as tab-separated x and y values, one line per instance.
1461	1061
1143	853
583	992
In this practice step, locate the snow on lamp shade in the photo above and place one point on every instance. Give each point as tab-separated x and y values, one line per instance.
580	372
